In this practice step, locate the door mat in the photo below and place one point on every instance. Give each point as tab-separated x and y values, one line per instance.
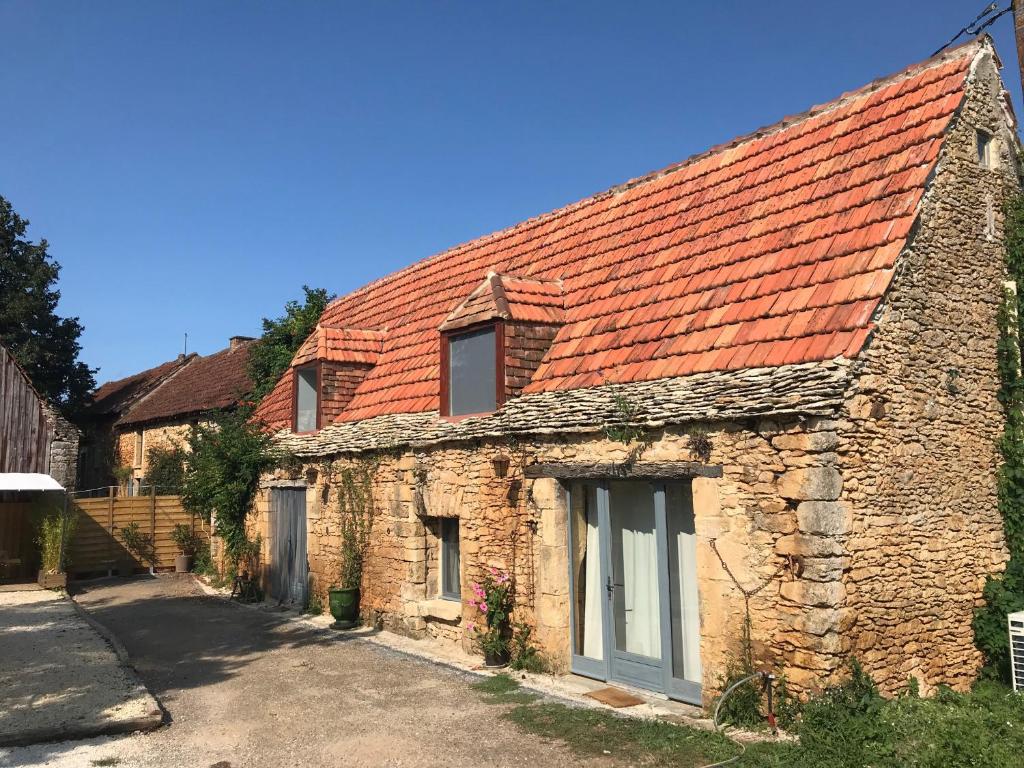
615	697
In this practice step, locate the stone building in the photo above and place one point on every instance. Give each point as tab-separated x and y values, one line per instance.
155	408
98	422
759	386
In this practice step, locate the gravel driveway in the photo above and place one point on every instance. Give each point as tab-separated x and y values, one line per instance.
247	688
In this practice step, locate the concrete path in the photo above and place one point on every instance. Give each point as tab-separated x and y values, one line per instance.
59	678
246	688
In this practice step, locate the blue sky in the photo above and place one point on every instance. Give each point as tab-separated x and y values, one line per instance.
192	164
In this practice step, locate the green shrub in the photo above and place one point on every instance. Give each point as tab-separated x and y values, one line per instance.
139	543
185	539
165	468
226	457
524	655
53	520
202	561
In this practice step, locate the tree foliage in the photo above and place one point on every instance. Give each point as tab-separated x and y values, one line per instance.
270	356
226	457
44	344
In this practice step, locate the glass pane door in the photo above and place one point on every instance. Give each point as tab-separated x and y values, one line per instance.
684	608
635	594
588	597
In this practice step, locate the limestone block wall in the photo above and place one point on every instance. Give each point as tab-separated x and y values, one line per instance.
917	446
153	436
778	479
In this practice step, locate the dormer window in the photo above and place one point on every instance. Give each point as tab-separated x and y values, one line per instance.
307	399
473	371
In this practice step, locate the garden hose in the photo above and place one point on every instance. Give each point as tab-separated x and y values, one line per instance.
767	677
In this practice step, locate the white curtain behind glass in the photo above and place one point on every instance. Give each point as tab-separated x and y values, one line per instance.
593	640
633	510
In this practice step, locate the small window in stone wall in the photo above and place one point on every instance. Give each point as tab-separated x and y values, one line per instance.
137	454
988	157
451	565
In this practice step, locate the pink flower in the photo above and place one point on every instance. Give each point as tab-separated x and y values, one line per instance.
470	626
483	607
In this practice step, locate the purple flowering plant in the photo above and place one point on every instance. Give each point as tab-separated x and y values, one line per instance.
492	596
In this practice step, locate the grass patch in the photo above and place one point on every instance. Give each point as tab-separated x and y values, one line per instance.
502	689
981	729
594	732
106	761
597	733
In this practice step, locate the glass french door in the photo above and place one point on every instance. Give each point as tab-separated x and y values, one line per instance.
635	615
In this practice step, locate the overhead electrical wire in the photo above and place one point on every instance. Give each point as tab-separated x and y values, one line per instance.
977	25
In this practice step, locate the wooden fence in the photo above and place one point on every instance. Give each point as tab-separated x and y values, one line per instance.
98	546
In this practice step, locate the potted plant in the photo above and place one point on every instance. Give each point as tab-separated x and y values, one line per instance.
494	599
55	529
356	513
188	543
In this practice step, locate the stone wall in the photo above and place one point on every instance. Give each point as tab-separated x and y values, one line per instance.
63	459
520	525
153	436
917	447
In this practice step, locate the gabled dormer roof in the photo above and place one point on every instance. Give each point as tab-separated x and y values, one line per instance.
340	345
517	299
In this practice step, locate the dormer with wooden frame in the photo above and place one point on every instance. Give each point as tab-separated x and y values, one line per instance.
492	343
326	371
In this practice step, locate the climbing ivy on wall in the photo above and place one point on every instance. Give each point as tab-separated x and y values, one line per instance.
227	456
1005	593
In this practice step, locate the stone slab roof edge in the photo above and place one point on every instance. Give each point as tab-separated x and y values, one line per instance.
809	389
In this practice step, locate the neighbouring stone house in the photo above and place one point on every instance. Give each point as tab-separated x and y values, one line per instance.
158	410
766	375
98	421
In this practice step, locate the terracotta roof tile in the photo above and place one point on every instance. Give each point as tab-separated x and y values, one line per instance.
113	397
772	250
207	383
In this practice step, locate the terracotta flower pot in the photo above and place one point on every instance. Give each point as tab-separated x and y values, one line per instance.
344	604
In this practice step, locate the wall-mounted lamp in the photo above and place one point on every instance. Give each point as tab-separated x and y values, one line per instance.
501	464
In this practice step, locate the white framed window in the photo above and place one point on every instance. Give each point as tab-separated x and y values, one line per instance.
137	451
451	565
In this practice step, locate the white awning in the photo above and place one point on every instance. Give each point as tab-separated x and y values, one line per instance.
28	481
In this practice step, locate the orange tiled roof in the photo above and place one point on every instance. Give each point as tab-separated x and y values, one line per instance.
523	300
208	383
114	396
340	345
774	249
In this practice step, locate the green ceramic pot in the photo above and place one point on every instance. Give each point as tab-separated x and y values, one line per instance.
344	604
